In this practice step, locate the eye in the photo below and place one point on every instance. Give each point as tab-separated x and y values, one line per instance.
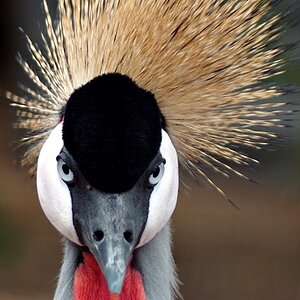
157	174
64	171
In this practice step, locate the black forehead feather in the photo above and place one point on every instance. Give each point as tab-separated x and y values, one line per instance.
112	128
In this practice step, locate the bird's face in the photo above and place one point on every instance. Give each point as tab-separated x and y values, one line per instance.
107	175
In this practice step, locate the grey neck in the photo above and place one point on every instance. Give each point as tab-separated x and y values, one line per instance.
154	261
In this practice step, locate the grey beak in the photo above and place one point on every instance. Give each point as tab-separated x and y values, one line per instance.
113	253
113	257
110	226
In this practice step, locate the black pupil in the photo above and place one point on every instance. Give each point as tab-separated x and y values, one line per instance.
156	172
65	169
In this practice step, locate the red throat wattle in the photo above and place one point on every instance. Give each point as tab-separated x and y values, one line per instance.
90	283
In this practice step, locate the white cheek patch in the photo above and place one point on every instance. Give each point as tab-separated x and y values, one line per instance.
164	196
55	198
54	195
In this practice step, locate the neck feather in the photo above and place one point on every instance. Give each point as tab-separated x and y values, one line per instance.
154	261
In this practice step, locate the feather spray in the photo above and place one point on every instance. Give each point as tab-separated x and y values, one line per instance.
205	62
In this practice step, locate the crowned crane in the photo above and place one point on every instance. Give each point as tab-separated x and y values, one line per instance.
124	93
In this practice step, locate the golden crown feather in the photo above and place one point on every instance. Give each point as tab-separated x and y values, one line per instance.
205	61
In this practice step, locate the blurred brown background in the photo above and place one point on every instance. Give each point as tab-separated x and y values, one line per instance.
221	253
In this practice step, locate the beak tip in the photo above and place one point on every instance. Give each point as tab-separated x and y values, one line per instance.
115	284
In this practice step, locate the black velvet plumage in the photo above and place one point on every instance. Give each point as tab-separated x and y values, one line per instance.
112	128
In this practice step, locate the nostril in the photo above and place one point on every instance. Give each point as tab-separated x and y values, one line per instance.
128	235
98	235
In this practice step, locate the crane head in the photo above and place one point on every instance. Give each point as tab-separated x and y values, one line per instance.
107	176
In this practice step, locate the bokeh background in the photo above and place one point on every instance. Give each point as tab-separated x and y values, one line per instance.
221	253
